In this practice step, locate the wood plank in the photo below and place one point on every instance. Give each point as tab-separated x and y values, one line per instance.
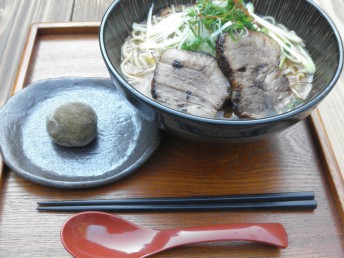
54	11
90	10
17	13
331	166
290	161
67	65
16	18
54	30
331	109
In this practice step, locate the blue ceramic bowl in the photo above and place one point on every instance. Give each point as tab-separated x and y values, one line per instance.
304	17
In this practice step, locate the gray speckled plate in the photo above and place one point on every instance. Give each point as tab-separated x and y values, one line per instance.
124	141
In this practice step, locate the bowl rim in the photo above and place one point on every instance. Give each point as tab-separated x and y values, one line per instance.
280	117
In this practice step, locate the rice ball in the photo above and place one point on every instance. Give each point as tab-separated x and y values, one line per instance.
72	124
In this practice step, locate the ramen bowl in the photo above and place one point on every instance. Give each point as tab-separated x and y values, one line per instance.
304	17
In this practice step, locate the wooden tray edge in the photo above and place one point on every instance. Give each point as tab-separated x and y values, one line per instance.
333	172
332	169
43	29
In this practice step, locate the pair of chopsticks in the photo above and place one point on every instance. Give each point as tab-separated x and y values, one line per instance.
270	201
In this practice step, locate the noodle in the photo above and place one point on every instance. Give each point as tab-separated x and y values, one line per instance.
142	50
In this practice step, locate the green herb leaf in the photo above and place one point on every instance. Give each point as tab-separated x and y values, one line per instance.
212	16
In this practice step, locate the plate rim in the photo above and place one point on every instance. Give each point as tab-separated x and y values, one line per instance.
144	156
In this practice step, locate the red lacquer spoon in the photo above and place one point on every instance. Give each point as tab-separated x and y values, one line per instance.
98	234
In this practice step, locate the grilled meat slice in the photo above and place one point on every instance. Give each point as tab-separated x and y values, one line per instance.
190	82
251	63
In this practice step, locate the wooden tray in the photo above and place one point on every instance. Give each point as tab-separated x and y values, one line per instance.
298	159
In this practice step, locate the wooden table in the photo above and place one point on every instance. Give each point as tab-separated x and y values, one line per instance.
298	159
17	16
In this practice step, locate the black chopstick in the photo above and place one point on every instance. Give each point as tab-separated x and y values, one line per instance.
247	198
284	205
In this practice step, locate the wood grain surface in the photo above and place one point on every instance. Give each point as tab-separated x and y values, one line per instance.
290	161
90	10
16	17
332	108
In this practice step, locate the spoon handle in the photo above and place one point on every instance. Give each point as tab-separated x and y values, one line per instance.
267	233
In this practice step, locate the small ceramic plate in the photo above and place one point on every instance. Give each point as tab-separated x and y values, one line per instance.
123	143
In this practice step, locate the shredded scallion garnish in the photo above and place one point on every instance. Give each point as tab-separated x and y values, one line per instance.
197	28
291	44
207	19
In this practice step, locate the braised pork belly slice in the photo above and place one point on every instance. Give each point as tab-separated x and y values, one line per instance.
190	82
251	64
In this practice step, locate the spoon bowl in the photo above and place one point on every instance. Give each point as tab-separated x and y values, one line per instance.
98	234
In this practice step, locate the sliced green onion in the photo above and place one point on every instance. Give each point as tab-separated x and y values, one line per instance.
290	36
250	7
139	27
307	61
219	31
149	20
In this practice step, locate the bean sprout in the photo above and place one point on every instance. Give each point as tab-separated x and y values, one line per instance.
149	39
